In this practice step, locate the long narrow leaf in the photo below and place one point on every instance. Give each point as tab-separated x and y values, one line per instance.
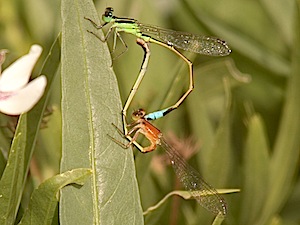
90	103
287	147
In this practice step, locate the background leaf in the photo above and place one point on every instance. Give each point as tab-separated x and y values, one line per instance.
44	199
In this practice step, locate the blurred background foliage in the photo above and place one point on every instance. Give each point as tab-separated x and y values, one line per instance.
236	119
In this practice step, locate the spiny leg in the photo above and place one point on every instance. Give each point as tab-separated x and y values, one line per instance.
110	30
145	46
95	24
132	140
117	35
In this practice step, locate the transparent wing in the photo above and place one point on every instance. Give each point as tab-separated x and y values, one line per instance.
205	194
190	42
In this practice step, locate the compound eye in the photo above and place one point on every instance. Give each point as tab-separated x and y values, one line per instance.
109	12
140	113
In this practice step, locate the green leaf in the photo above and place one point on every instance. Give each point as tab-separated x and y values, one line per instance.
250	46
286	149
279	11
221	150
44	199
15	174
90	103
2	163
206	104
185	195
256	169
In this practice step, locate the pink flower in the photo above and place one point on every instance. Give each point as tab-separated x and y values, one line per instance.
17	94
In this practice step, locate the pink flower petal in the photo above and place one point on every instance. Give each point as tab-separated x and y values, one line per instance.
17	74
23	100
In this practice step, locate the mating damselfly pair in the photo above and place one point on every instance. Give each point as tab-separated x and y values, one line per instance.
205	194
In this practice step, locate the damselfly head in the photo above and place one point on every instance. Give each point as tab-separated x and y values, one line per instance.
138	114
109	11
